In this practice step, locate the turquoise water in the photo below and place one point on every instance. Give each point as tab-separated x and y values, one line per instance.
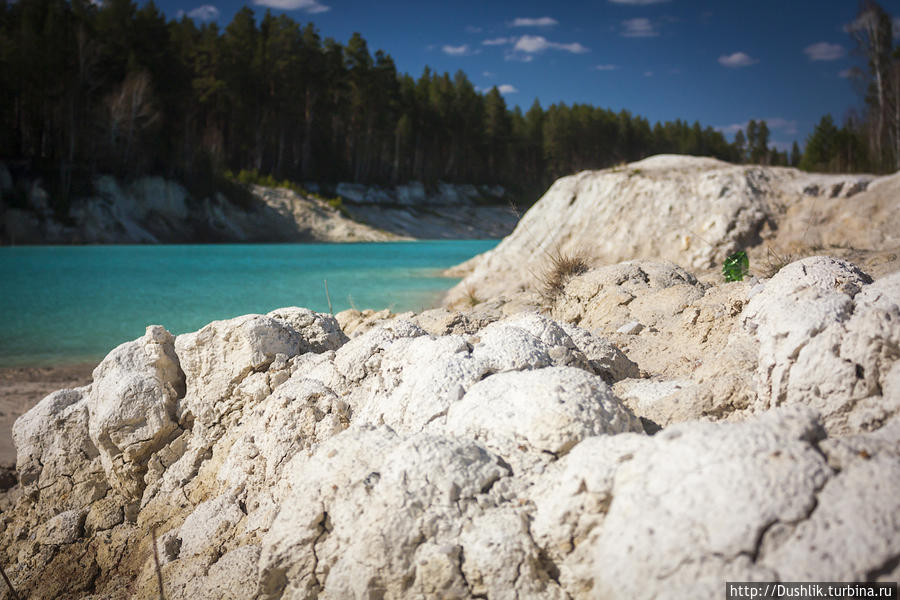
70	304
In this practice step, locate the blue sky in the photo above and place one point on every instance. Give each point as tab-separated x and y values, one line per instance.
720	62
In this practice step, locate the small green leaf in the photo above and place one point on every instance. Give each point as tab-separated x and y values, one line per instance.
736	266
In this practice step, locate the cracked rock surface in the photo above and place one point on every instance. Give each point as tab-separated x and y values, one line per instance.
829	338
746	431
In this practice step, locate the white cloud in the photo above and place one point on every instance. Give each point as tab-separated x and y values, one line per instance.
648	73
473	29
774	123
310	6
865	20
539	22
736	60
531	44
642	2
506	88
605	67
574	48
788	126
207	12
488	74
456	50
731	129
861	22
498	41
850	73
824	51
639	27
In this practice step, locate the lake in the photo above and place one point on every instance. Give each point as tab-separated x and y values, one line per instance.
71	304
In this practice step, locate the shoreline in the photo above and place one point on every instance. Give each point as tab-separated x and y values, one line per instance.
21	387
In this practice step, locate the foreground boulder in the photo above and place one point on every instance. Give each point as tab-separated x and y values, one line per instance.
131	407
829	338
481	454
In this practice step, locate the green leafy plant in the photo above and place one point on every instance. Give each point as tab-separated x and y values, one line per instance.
252	176
736	266
247	177
336	203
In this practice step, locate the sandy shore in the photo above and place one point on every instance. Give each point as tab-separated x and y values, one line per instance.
23	387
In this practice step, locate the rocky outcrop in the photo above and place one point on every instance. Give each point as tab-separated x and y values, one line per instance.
683	334
822	218
447	211
691	211
131	407
650	435
829	338
641	430
152	210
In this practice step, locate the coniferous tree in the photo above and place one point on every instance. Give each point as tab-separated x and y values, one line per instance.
821	146
872	32
796	156
740	145
758	142
497	129
112	87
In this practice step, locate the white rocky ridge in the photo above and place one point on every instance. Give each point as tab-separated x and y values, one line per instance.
462	455
151	210
689	210
646	431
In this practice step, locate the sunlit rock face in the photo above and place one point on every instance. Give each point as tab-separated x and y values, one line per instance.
643	431
689	210
269	456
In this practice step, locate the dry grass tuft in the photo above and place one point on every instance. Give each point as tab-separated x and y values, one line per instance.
775	262
559	269
470	298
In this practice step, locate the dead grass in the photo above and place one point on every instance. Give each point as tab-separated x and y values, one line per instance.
559	268
470	297
775	262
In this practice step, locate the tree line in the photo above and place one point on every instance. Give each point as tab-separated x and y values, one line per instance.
114	87
867	140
